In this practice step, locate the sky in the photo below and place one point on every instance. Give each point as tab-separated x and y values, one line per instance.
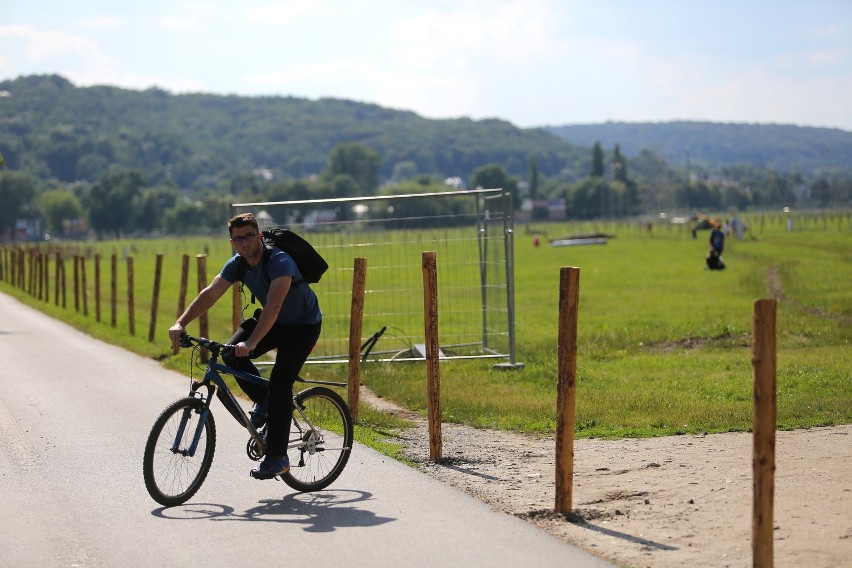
530	62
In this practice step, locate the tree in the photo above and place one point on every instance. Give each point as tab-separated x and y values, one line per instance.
597	161
586	200
821	192
736	198
16	194
427	211
656	182
358	161
58	206
91	167
619	165
243	183
110	201
185	218
404	171
494	176
61	148
150	204
533	178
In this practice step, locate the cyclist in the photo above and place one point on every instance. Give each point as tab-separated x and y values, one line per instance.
290	322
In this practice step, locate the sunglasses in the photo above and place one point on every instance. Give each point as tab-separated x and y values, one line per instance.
244	238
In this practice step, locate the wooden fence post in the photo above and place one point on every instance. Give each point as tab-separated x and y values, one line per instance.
22	275
201	263
566	387
39	274
764	423
184	280
433	370
155	299
236	306
63	280
31	273
76	282
56	278
113	288
46	276
131	305
98	287
83	291
356	319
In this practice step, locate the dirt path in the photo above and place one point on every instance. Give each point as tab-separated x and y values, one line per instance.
660	502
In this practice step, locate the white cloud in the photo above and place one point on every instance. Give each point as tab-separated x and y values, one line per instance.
102	22
511	32
44	45
434	96
178	23
810	60
343	70
284	12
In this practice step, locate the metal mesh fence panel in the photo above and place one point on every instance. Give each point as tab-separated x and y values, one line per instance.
471	233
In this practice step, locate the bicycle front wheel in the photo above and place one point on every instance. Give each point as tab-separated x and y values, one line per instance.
172	468
320	439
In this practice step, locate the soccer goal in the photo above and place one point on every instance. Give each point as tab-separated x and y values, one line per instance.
472	235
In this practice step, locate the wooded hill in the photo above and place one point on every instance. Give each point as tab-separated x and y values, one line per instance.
53	129
49	127
712	146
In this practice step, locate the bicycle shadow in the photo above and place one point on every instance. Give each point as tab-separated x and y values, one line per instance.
322	511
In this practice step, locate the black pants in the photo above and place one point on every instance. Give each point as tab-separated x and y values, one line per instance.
293	343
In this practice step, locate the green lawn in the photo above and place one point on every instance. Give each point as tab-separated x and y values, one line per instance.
663	344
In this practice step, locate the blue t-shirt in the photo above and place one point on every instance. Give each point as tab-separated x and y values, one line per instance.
301	305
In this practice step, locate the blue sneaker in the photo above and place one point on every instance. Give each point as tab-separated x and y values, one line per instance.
259	413
270	467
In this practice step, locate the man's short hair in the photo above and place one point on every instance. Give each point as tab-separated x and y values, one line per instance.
242	220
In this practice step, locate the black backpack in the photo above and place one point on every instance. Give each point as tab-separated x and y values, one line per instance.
310	263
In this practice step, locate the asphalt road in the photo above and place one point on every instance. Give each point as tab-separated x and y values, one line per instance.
74	416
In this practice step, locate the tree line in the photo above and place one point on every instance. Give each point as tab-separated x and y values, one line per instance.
123	202
121	162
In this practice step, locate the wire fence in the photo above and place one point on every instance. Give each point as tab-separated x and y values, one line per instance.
471	234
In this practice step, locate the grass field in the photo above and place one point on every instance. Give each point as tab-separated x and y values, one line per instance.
663	344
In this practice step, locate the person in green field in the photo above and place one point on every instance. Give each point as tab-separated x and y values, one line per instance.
290	322
717	245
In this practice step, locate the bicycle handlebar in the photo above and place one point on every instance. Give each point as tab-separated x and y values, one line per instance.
187	340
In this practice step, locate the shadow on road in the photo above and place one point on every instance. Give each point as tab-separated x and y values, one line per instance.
323	511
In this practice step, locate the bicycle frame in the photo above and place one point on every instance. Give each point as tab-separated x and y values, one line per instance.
215	384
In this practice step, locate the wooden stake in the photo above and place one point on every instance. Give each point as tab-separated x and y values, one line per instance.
569	299
763	460
203	320
433	370
356	319
131	306
155	299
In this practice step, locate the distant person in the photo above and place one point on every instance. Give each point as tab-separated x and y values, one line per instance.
717	240
290	323
717	245
737	227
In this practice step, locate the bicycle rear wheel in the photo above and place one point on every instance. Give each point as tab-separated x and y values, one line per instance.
320	439
172	476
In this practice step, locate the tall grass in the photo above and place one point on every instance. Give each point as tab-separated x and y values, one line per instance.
663	344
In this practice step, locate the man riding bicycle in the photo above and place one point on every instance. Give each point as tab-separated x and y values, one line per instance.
290	322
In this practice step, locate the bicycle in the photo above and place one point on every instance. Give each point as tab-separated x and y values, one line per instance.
180	447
